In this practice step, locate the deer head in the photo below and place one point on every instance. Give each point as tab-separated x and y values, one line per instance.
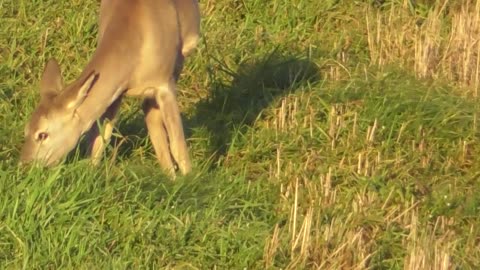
55	127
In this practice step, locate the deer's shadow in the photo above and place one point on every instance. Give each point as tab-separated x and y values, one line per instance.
234	106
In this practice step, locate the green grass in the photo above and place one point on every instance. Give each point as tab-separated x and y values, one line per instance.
306	156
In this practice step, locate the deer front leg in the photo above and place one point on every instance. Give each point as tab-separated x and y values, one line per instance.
158	135
172	122
98	139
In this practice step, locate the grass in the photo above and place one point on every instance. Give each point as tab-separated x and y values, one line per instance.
319	142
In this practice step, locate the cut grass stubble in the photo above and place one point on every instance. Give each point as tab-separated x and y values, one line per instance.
314	148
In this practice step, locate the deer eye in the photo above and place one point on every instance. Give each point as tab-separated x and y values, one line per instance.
42	136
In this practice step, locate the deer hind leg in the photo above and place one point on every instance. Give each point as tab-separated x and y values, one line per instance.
189	21
99	136
169	113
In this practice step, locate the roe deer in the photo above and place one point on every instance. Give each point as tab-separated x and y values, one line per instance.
140	52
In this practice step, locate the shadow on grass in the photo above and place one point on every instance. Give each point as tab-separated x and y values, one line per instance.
232	107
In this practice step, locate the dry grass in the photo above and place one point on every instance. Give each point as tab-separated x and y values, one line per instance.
443	41
315	188
315	147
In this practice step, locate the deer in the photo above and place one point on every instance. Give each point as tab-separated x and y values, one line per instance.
141	47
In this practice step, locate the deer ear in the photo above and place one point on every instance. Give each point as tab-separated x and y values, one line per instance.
75	99
52	81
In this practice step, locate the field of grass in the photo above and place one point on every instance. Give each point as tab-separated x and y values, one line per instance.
331	134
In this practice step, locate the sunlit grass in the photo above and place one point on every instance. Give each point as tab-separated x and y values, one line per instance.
306	154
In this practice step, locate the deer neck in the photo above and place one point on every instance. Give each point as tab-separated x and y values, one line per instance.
112	81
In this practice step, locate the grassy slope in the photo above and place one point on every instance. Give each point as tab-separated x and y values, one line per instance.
305	156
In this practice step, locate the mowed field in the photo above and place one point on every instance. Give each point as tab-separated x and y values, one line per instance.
324	135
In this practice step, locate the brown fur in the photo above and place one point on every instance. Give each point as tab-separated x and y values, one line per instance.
140	52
